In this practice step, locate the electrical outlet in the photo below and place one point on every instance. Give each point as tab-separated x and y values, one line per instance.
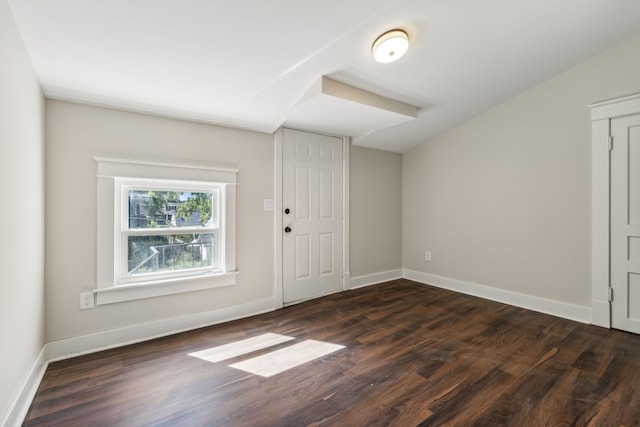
86	300
427	256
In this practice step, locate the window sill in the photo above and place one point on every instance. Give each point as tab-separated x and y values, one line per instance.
165	287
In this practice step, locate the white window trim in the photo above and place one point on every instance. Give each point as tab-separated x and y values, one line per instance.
109	170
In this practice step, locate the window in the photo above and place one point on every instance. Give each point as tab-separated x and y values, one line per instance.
163	229
168	229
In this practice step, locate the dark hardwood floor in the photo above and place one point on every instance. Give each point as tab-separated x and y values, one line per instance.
415	355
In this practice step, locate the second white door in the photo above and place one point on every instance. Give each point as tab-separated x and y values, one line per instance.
312	217
625	223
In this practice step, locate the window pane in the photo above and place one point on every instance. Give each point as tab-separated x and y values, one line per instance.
166	253
169	209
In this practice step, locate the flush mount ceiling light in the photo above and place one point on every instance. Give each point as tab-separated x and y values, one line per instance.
390	46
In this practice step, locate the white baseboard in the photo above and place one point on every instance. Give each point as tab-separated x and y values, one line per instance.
70	347
372	279
542	305
20	405
66	348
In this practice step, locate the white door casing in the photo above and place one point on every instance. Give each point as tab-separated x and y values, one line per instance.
311	220
625	223
606	193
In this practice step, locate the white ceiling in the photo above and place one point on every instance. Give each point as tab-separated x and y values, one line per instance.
247	63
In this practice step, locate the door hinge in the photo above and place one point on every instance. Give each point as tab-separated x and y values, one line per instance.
610	294
610	143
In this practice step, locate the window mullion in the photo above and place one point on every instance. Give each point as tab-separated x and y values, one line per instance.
168	231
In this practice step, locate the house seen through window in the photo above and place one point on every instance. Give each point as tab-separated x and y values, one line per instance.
168	230
171	231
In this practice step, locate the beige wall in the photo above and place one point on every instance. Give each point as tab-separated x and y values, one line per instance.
503	200
21	213
375	211
74	133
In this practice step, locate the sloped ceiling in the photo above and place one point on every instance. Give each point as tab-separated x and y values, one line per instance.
248	63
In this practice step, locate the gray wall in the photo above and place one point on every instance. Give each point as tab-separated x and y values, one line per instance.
375	211
504	200
21	213
74	134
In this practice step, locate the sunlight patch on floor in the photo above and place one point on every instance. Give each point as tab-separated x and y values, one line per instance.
286	358
240	348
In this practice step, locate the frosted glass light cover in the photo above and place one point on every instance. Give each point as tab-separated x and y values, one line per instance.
390	46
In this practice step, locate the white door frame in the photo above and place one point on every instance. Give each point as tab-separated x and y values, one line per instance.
601	115
278	281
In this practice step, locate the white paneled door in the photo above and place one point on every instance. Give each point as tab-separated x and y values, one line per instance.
312	216
625	223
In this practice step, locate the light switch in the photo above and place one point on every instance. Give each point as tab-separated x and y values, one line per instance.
269	205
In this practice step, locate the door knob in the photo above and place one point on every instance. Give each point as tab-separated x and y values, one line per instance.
287	229
287	210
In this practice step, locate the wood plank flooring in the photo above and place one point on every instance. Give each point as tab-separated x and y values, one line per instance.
415	355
